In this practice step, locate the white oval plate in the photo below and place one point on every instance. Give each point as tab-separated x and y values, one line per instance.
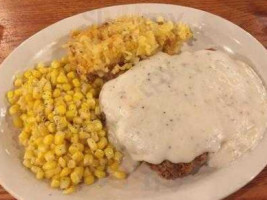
208	184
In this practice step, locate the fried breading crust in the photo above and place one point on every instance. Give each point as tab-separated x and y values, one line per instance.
169	170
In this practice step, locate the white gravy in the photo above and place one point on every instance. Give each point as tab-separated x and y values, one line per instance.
178	107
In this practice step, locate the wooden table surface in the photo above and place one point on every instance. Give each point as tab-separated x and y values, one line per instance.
19	19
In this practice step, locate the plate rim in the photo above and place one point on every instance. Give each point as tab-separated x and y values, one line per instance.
51	26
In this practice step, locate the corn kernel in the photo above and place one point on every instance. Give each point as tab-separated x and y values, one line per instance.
55	183
67	67
33	161
28	154
75	138
118	156
77	120
72	129
94	136
77	96
119	174
95	163
41	68
18	92
51	127
69	190
73	149
14	109
27	163
76	82
55	64
88	160
75	178
84	107
79	146
70	114
42	148
23	141
38	141
71	75
10	94
101	167
102	133
97	110
60	149
78	156
57	171
100	173
89	179
62	123
85	115
64	182
89	95
23	117
64	60
68	135
59	137
27	74
71	92
93	91
62	162
40	174
91	103
49	156
56	93
31	120
49	173
36	74
103	161
65	172
18	82
99	153
40	160
59	101
86	172
48	139
60	109
50	165
92	144
72	107
109	153
18	123
88	126
84	135
66	87
47	88
71	164
97	125
98	82
36	94
67	98
114	166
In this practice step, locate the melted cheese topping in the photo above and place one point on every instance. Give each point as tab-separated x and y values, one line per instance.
178	107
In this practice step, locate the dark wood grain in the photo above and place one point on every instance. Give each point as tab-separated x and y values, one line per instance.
20	19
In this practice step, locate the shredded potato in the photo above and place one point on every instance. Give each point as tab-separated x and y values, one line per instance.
118	44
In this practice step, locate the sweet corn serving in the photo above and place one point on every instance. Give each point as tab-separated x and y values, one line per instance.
59	117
